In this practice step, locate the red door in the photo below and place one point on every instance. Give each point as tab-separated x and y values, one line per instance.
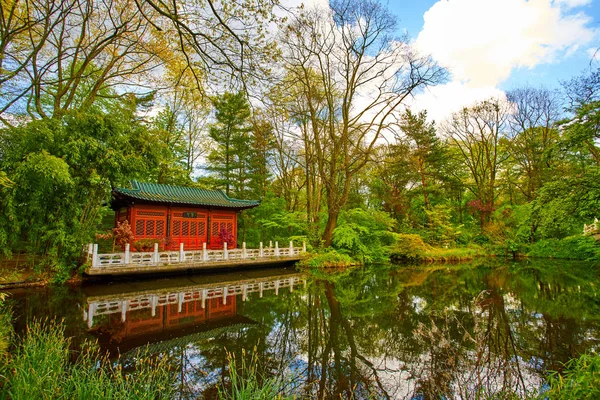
188	227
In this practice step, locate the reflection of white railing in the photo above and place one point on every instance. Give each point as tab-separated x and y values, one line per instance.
123	304
190	257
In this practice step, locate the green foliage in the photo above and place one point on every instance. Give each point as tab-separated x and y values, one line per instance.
247	382
579	380
6	331
364	234
229	161
327	259
63	170
409	248
572	247
271	221
40	369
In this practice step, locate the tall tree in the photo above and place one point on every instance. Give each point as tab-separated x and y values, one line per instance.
229	161
348	51
476	132
424	147
534	111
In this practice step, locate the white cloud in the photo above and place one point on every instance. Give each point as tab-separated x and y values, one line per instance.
441	101
482	41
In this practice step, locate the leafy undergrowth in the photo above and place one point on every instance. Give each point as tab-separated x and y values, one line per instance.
411	248
579	380
40	368
328	259
573	247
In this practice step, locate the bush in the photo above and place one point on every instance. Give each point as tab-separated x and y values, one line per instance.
409	248
328	259
572	247
364	234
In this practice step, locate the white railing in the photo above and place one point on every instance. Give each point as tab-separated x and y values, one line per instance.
124	304
156	258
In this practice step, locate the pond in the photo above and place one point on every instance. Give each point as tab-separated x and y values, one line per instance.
380	332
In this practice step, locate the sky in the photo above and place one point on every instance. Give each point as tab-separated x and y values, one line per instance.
492	46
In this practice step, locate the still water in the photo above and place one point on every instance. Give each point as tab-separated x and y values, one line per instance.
378	332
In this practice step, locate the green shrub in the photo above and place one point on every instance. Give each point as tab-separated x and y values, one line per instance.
364	234
572	247
328	259
409	248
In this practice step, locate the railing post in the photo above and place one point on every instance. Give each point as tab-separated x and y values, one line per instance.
225	252
270	244
304	247
95	255
181	253
155	253
89	252
244	250
225	295
127	254
204	252
276	249
291	248
261	252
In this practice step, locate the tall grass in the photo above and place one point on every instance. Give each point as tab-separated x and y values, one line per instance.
41	369
579	380
247	381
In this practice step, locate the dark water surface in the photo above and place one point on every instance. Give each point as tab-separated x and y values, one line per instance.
379	332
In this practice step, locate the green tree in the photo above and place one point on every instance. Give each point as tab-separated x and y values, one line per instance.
229	161
63	170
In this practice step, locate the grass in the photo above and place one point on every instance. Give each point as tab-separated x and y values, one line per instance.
579	380
41	369
247	382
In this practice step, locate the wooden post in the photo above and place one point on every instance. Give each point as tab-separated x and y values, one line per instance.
261	252
245	292
155	254
291	248
89	252
204	253
95	255
154	303
225	252
243	249
292	285
304	247
276	283
181	253
260	289
127	254
270	243
225	295
276	249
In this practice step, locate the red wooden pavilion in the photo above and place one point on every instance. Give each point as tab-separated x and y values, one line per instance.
178	214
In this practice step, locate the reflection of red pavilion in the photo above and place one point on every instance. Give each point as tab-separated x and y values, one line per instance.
168	316
141	326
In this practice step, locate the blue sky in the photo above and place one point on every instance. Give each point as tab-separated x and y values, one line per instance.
411	12
492	46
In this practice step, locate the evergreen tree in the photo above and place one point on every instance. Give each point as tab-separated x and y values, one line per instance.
229	160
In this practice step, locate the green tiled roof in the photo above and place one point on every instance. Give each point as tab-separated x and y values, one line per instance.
159	193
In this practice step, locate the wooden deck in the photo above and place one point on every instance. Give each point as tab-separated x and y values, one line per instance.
172	262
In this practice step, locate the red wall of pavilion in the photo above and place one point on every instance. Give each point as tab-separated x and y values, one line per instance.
174	225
